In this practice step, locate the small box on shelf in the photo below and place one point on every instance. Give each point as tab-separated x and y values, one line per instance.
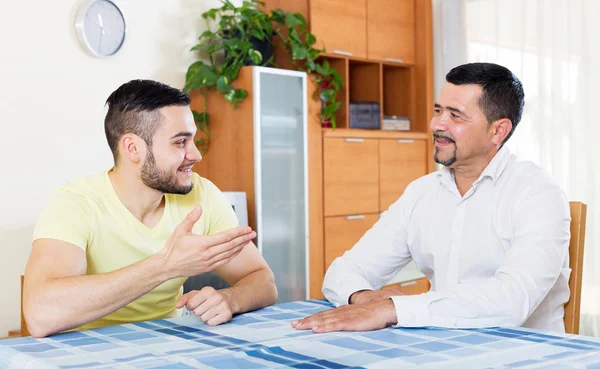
396	123
365	115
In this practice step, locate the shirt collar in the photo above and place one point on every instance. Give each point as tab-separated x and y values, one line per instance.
493	170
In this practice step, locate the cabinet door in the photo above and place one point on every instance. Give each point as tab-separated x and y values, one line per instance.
350	176
340	25
400	162
391	30
342	233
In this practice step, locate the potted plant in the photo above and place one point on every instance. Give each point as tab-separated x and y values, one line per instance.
244	36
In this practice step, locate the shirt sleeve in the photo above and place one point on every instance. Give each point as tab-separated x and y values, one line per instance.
375	259
221	215
65	217
538	252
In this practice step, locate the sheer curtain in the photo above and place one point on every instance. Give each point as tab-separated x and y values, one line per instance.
552	46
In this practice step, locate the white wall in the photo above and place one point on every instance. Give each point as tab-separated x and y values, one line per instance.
52	98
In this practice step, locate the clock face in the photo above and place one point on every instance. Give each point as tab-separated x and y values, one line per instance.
101	26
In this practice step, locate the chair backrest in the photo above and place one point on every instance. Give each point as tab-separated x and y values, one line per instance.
578	218
24	331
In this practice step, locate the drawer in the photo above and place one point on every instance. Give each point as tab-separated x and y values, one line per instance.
342	233
350	176
400	163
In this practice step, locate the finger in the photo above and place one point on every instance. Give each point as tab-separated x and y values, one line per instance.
230	234
331	327
199	298
184	299
209	304
229	254
219	319
188	222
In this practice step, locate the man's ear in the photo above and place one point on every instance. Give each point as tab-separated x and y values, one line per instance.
132	147
500	129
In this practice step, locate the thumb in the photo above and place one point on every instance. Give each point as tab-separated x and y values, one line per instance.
187	224
183	300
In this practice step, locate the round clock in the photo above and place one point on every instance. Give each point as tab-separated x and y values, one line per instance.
101	28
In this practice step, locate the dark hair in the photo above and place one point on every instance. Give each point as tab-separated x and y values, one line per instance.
502	96
133	108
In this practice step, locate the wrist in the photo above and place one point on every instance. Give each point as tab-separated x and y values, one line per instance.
229	296
158	263
355	298
389	311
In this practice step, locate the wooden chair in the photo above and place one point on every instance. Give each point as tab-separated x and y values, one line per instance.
24	331
572	308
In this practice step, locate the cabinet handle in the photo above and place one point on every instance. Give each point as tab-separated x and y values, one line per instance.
406	284
354	139
403	141
340	52
394	60
355	217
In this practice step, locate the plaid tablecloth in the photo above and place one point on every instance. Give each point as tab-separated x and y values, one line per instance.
265	339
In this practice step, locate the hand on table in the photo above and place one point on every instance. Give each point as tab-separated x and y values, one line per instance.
361	317
212	306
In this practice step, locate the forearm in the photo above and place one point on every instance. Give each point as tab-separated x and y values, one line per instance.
58	304
255	291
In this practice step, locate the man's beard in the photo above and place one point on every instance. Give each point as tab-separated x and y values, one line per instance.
162	181
445	163
436	157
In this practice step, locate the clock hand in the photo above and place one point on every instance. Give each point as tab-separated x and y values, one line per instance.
101	31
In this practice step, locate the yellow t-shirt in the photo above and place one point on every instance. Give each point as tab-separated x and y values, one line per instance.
87	213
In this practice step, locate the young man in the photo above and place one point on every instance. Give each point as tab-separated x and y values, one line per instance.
490	233
116	247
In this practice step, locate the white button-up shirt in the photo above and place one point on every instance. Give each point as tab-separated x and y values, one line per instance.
497	256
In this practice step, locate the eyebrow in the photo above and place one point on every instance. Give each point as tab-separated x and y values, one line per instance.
182	134
455	110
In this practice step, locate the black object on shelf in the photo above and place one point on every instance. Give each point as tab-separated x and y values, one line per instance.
365	115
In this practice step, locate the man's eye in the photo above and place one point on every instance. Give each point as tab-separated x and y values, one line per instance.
437	110
455	116
180	142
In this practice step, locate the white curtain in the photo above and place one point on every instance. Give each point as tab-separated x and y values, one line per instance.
552	47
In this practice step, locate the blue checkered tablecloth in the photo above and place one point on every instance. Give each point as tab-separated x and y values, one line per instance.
265	339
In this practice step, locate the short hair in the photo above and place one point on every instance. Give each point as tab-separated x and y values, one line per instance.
502	96
133	108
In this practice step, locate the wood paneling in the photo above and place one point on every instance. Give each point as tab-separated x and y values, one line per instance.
351	176
400	163
340	25
342	233
365	81
373	133
572	308
398	96
391	30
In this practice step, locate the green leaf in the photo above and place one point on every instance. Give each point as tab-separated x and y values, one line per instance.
291	20
336	77
258	34
223	85
300	19
328	95
208	34
235	96
310	39
331	108
212	13
200	118
311	64
201	47
200	75
294	36
255	56
298	51
278	16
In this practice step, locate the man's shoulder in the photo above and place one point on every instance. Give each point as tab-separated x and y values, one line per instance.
423	184
91	188
529	176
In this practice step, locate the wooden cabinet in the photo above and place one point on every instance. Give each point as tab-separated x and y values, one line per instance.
401	161
342	233
391	30
350	176
340	26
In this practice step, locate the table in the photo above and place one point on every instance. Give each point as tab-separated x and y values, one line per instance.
265	339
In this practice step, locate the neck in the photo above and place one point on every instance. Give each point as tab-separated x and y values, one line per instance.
143	202
466	174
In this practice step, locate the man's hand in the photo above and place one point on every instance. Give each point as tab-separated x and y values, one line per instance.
363	317
187	254
212	306
364	296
